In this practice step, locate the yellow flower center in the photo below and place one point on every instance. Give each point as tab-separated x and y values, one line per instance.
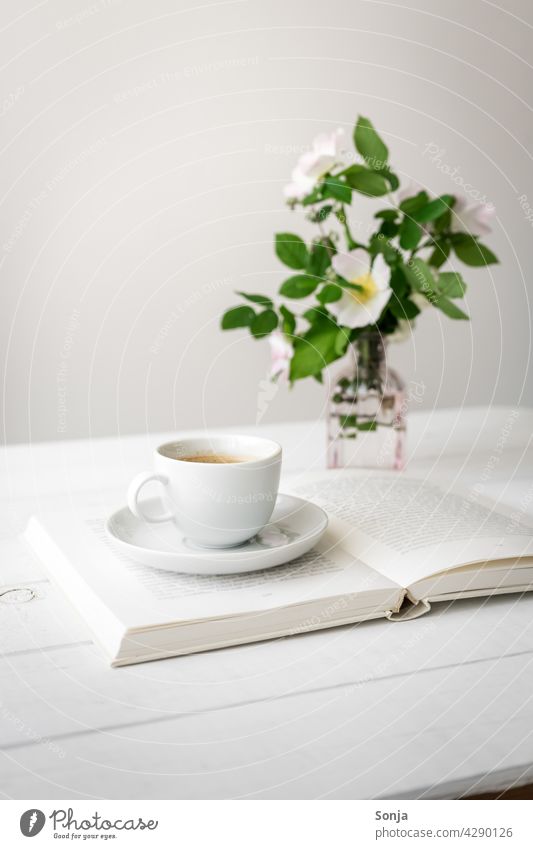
367	290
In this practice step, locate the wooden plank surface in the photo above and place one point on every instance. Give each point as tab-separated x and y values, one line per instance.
394	739
66	688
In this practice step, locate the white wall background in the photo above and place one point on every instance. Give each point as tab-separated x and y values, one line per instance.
144	147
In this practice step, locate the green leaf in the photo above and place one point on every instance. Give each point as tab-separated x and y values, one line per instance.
348	421
413	204
369	144
288	324
443	222
387	322
451	284
366	181
345	284
389	175
449	308
342	341
403	308
389	229
434	209
291	250
317	316
298	286
440	253
380	245
314	350
324	211
419	276
329	293
264	323
398	283
472	252
314	197
371	425
257	299
319	260
334	188
387	214
410	234
237	317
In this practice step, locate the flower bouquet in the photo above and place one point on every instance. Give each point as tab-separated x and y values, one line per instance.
347	294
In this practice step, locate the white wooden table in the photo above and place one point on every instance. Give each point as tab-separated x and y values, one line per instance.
437	707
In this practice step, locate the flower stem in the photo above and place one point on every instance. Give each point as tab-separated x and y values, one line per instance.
350	241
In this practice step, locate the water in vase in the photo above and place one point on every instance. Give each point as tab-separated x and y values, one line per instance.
367	409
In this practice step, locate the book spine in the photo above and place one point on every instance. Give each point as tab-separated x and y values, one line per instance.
410	609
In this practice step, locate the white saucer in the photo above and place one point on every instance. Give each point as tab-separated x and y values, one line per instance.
296	525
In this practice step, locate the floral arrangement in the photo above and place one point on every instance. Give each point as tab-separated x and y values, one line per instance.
342	286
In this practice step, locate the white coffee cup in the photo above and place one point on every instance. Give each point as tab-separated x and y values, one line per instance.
214	504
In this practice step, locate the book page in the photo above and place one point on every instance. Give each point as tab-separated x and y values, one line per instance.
140	596
498	576
408	528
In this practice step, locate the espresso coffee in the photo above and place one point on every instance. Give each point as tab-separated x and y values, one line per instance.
214	458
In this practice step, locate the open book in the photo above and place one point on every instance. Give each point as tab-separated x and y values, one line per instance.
394	545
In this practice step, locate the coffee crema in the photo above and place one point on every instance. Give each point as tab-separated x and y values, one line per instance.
214	458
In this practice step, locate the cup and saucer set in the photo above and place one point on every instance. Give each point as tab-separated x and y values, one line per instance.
222	513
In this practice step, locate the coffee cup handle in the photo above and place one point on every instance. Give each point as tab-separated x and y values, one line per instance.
133	497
